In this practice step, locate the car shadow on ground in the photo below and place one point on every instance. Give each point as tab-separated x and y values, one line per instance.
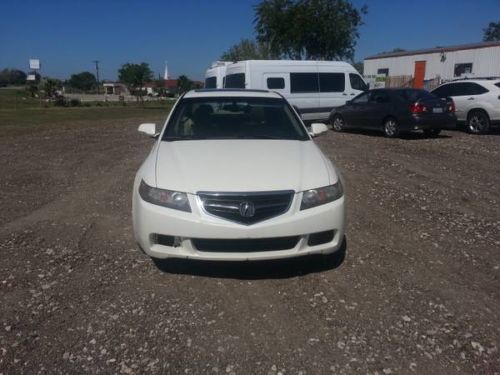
255	270
405	135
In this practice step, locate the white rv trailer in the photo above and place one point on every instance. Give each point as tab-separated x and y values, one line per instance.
214	76
314	88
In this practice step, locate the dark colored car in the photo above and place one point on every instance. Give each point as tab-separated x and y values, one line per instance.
394	111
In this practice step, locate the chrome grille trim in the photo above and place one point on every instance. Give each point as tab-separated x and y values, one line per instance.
226	205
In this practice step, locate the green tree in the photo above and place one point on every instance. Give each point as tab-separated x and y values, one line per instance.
492	32
359	66
135	76
184	83
12	77
247	49
84	81
50	85
309	29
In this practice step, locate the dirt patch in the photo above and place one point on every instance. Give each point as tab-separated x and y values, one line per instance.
418	291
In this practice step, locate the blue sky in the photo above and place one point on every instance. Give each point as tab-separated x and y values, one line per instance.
190	34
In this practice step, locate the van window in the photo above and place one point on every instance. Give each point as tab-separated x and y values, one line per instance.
357	82
303	82
235	81
211	83
276	83
331	82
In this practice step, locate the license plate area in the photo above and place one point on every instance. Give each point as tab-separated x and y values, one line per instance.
437	110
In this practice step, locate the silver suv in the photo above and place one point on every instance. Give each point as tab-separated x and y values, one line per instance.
477	102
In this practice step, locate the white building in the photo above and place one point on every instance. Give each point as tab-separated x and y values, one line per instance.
447	63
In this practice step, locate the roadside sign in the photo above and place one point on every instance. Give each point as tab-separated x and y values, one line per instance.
35	64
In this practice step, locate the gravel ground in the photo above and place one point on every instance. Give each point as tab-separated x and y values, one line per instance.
418	291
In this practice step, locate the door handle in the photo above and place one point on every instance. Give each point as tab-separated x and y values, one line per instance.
353	93
344	94
470	99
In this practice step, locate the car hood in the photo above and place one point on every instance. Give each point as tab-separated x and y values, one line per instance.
241	166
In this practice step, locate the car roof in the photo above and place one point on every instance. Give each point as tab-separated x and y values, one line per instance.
476	80
214	93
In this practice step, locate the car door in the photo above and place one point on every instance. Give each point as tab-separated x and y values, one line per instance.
460	93
332	90
354	109
304	93
377	108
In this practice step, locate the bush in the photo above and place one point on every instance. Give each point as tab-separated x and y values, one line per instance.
75	102
60	102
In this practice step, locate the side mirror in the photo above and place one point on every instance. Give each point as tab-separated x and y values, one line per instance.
149	129
318	128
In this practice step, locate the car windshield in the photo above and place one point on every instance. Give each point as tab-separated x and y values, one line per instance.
234	118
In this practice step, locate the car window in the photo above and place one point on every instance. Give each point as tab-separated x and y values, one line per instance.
234	118
379	96
357	82
477	89
443	91
467	88
211	83
361	98
235	81
275	83
303	82
331	82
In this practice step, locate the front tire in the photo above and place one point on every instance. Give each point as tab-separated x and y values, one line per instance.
478	122
432	133
338	123
391	128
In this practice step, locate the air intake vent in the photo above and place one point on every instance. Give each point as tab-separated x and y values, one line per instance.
247	208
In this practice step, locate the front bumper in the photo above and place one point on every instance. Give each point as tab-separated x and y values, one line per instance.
150	221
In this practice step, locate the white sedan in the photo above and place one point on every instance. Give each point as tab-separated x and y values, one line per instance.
234	175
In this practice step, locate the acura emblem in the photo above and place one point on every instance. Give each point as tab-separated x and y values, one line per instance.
247	209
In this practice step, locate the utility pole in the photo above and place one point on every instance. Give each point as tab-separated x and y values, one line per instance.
97	73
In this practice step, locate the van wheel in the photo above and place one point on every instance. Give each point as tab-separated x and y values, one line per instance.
338	123
478	122
391	127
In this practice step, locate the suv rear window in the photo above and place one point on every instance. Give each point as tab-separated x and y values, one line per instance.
235	81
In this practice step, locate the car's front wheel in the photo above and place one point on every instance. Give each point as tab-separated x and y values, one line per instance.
478	122
391	127
432	133
338	123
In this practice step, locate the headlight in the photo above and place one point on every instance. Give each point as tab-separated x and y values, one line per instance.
165	198
316	197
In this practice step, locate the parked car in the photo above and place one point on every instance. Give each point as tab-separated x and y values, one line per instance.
235	175
477	102
314	88
394	111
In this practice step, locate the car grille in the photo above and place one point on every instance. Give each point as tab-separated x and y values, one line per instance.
247	208
245	245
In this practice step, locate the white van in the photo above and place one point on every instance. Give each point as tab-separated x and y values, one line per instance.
314	88
214	76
